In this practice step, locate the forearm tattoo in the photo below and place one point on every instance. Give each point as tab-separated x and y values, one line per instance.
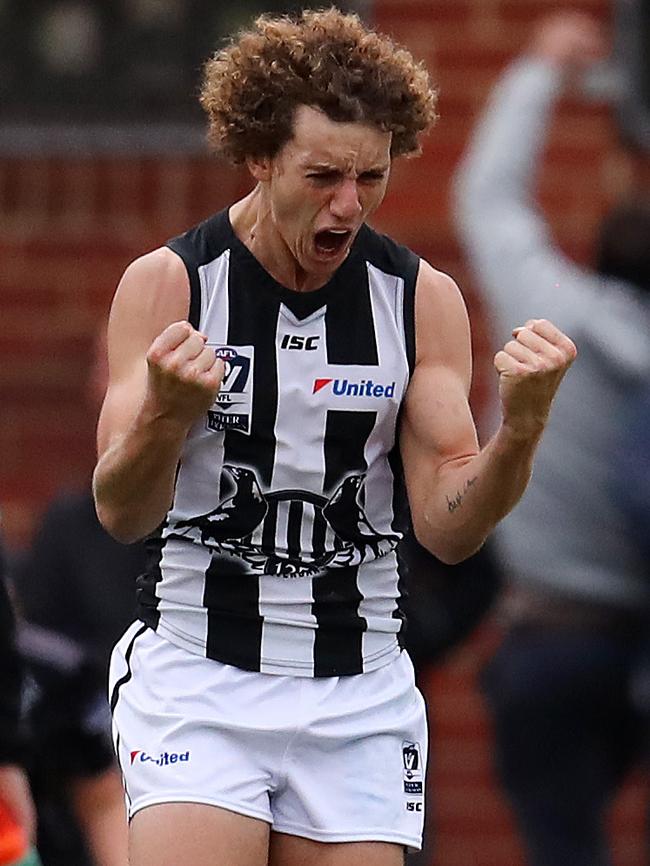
457	500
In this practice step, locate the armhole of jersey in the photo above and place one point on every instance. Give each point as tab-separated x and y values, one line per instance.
194	315
410	281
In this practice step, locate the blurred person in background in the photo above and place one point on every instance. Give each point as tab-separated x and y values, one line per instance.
264	710
17	813
75	586
443	605
631	489
631	485
558	686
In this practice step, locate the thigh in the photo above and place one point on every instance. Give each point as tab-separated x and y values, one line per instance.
184	730
356	772
288	850
191	833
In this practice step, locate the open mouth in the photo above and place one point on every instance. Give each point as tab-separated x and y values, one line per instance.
330	242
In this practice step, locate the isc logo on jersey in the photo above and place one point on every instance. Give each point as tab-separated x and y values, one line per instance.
349	388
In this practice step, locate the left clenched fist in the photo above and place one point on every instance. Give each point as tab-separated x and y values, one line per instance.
531	367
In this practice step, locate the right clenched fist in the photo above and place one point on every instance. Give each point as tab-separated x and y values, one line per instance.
184	374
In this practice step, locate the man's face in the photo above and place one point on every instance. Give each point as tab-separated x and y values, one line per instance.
323	184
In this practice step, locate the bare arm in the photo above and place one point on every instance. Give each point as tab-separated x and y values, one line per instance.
162	377
457	491
520	268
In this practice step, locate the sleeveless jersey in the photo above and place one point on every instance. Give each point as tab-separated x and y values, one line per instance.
278	553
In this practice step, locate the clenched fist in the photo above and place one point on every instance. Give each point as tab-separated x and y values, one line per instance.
570	40
531	367
184	374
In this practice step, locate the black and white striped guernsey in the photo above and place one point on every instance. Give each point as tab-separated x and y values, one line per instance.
278	553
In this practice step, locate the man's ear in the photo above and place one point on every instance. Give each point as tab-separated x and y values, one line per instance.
259	167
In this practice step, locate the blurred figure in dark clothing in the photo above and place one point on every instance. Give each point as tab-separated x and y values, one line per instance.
632	456
15	797
443	606
445	603
631	489
76	588
76	580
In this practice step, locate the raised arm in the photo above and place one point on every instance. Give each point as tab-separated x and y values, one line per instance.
162	377
521	270
458	492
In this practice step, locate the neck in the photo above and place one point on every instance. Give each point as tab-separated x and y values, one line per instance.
252	222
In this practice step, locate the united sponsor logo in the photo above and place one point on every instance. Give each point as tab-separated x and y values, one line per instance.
350	388
164	759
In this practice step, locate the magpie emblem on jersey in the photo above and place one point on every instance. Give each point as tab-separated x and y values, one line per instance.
290	533
233	404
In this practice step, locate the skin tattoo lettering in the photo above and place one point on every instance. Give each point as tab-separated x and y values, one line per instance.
457	501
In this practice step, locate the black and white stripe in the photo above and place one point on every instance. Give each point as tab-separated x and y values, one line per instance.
310	586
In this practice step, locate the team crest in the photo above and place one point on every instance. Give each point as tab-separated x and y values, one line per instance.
289	533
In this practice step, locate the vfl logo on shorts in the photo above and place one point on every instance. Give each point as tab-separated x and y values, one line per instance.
412	768
163	760
234	403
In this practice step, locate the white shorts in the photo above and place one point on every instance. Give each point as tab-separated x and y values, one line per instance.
335	759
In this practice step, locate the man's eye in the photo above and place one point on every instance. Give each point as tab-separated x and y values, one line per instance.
323	176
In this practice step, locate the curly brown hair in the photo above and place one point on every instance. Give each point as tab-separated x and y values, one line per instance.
326	59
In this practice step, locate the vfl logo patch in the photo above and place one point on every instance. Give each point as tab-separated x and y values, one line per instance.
233	407
411	760
412	768
361	388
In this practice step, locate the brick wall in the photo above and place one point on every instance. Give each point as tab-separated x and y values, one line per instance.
69	227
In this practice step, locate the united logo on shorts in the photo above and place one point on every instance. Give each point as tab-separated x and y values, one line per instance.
162	760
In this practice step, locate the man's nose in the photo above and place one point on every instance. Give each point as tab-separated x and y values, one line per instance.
345	202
